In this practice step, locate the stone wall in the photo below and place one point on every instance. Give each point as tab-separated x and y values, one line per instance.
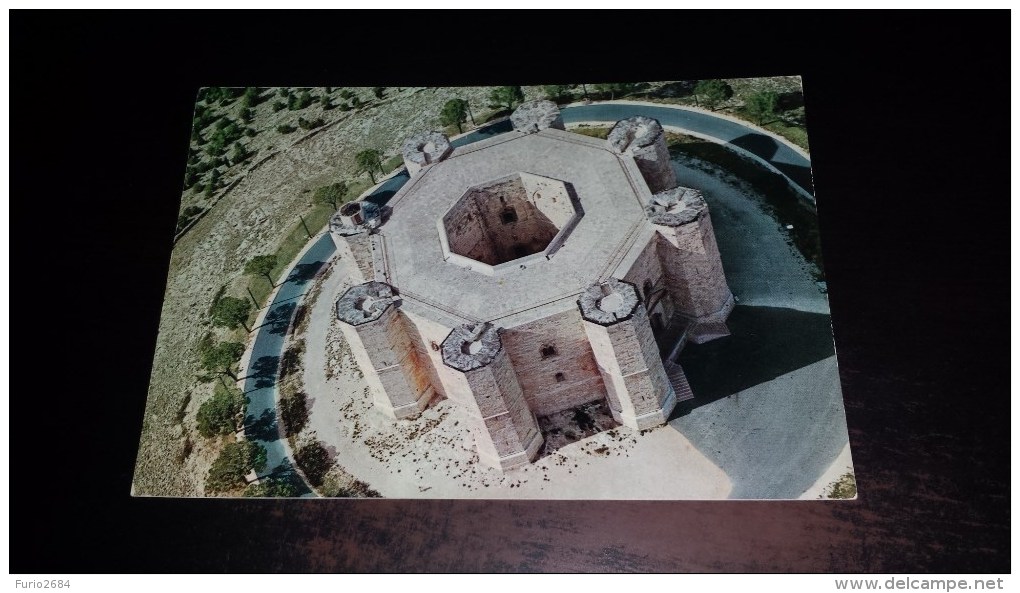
355	253
555	381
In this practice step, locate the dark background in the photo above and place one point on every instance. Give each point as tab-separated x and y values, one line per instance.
908	118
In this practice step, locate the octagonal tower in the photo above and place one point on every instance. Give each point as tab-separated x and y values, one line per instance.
639	392
485	384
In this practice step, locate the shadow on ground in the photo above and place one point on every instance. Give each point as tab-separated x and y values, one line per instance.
263	427
388	189
278	319
302	273
287	473
765	343
264	371
766	148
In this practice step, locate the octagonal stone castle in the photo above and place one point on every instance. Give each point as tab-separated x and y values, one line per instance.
531	273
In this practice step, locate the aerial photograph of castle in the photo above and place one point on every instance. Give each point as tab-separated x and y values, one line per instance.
577	291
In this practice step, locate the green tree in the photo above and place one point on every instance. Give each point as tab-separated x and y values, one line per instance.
250	98
313	459
270	488
325	102
236	461
221	413
454	113
261	265
556	92
506	97
296	102
331	195
378	91
239	154
614	88
310	124
762	105
712	92
279	106
220	358
369	161
231	312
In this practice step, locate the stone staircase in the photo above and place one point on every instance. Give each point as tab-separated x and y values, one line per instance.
677	378
705	332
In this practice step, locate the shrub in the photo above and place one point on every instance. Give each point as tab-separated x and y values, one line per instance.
310	124
294	412
313	459
221	413
278	106
285	129
230	312
271	487
235	462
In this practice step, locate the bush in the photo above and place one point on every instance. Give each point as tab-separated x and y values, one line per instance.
285	129
271	487
331	195
313	459
297	102
239	154
221	413
278	106
230	312
235	462
310	125
557	92
378	91
335	485
294	412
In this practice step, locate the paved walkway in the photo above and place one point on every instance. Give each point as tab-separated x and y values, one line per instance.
263	364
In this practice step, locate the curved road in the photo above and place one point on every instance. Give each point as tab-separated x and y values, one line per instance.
778	155
263	367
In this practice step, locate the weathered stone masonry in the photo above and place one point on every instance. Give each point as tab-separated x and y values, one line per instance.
528	274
